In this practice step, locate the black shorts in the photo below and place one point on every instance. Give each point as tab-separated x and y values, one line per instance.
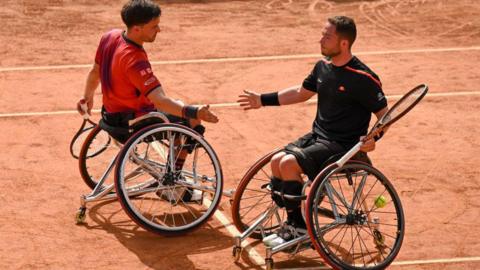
116	124
313	152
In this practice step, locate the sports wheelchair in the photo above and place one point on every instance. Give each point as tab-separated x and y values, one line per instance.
354	216
158	195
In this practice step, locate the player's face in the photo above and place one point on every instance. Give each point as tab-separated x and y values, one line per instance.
150	30
330	41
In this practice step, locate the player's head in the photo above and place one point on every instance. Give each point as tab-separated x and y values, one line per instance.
142	17
338	36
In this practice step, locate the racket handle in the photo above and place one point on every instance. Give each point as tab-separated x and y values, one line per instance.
355	149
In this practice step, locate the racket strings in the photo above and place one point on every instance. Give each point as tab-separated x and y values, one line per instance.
400	108
404	105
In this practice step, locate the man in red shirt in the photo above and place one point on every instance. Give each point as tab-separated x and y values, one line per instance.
129	87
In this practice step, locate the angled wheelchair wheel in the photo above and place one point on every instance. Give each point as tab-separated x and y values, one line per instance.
97	152
252	198
159	196
354	217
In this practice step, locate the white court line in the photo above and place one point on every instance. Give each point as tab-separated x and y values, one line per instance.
436	261
245	59
246	247
233	104
400	263
252	253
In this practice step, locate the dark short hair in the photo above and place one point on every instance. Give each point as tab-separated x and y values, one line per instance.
139	12
345	27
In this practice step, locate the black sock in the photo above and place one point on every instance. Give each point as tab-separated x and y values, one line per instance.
293	207
295	218
277	185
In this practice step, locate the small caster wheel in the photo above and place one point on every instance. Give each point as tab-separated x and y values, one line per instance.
80	215
269	264
236	253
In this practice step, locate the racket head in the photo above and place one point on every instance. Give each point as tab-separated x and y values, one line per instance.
398	110
80	136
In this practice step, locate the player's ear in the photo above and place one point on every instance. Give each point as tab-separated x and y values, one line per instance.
135	28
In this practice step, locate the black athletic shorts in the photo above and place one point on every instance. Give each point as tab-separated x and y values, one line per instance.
313	152
116	124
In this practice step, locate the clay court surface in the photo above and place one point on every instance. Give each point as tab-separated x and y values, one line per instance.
431	156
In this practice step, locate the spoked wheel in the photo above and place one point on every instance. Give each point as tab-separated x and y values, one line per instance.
97	152
252	198
355	217
158	195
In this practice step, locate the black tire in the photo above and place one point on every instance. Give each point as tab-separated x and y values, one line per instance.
96	153
251	198
153	194
367	235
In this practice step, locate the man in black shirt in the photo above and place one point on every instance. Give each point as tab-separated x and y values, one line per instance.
348	93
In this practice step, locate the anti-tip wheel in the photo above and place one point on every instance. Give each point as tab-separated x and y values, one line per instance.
236	253
80	215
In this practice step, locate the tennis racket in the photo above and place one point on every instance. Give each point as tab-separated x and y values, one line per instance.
81	134
398	110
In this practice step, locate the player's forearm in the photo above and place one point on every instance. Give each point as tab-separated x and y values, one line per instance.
170	106
164	103
292	96
92	82
381	112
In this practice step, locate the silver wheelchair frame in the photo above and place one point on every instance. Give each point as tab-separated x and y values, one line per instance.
102	193
307	240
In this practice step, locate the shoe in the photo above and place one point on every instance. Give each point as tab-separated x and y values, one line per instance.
192	195
172	195
286	233
273	240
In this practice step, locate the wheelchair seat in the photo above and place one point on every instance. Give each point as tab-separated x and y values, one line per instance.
121	133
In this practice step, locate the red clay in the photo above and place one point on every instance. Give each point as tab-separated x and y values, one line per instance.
431	155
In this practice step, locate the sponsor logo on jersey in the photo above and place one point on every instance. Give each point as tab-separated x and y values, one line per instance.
149	81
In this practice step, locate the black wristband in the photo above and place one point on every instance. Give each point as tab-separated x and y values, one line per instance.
190	111
270	99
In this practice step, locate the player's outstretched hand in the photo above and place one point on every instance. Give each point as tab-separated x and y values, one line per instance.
206	115
250	100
